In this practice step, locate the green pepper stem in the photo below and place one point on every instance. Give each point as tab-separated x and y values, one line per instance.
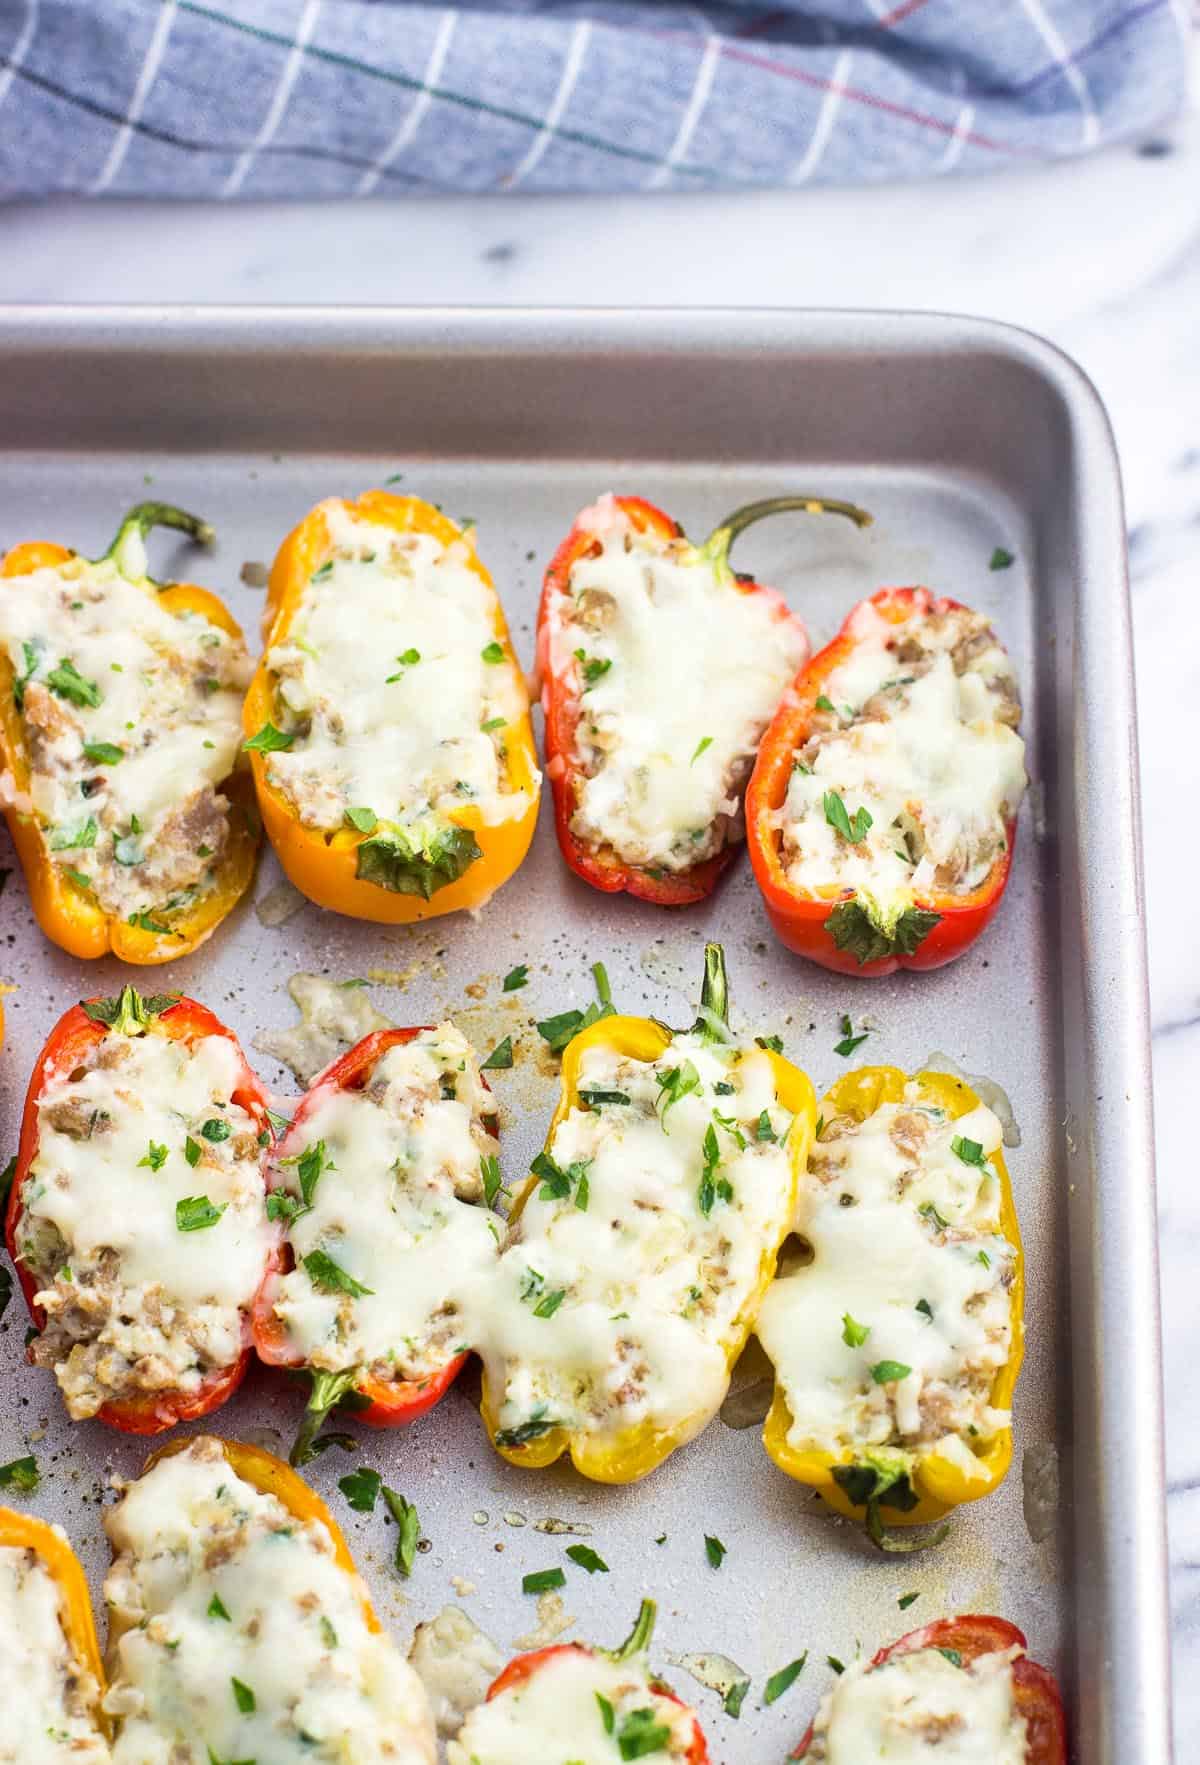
713	1021
128	549
328	1390
720	541
638	1640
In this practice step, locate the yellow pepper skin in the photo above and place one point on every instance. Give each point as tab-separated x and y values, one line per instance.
633	1453
323	866
68	915
264	1472
938	1484
23	1532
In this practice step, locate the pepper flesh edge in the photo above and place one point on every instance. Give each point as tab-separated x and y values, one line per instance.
70	1039
392	1403
939	1484
66	915
24	1532
798	920
629	1454
600	866
323	866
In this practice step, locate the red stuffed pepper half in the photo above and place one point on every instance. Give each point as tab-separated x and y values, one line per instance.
883	805
578	1702
136	1219
383	1185
660	668
960	1689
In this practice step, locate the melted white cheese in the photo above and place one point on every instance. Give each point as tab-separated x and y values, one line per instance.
555	1714
686	673
455	1662
374	730
169	689
618	1313
172	1307
49	1698
324	1687
395	1209
931	764
886	1266
920	1709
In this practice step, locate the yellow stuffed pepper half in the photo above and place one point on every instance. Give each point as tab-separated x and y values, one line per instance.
641	1246
897	1336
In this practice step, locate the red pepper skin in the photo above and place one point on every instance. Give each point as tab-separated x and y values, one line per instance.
799	920
523	1667
392	1404
69	1041
1035	1689
560	703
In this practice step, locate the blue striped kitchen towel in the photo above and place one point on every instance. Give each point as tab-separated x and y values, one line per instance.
268	98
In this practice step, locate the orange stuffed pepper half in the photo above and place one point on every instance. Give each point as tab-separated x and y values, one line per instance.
388	722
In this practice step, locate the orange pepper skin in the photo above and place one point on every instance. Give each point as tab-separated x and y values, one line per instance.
71	1039
322	866
24	1532
270	1476
1035	1689
940	1485
66	914
799	920
635	1452
598	865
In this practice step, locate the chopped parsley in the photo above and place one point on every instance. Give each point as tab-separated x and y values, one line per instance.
849	1041
156	1157
500	1058
970	1151
146	922
763	1129
593	668
542	1580
361	1489
853	828
68	683
330	1277
674	1085
714	1550
702	746
1000	559
491	726
215	1130
515	979
72	839
363	820
906	1600
493	652
557	1031
216	1609
557	1183
854	1334
983	1257
887	1372
641	1733
774	1044
78	878
243	1697
929	1212
269	740
587	1558
194	1212
549	1303
832	1661
103	753
926	1310
707	1194
405	1515
784	1679
493	1182
594	1099
825	703
20	1474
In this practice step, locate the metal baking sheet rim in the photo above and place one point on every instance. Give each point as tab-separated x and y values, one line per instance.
1122	1640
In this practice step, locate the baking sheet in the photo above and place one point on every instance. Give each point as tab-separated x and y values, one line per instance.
960	436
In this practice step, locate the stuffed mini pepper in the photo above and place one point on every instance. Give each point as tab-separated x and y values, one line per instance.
388	721
238	1627
660	667
641	1246
593	1706
962	1690
382	1184
883	806
896	1347
51	1679
120	723
136	1218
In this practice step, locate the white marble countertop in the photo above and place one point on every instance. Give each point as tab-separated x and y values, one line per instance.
1102	256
